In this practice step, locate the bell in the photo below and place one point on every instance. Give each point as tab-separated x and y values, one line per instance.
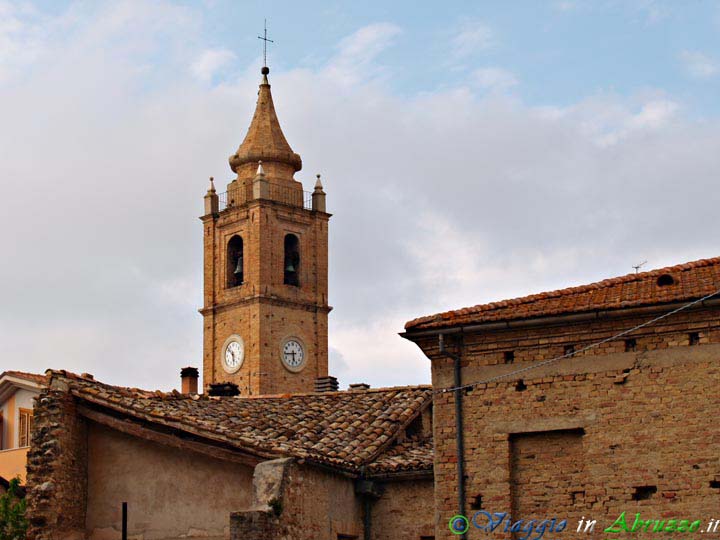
239	267
290	268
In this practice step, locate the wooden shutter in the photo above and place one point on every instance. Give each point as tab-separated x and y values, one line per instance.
25	427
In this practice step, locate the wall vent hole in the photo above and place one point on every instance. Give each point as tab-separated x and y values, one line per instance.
665	280
643	493
630	345
509	357
715	484
476	503
520	386
694	338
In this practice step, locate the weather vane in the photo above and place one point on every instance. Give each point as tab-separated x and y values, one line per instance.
265	42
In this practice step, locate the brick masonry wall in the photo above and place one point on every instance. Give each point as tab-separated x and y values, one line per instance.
57	469
405	510
605	423
263	310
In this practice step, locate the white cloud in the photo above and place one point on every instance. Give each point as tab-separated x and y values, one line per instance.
493	79
474	36
357	52
210	61
440	200
699	65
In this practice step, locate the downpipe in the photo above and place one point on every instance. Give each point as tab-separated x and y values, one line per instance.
459	433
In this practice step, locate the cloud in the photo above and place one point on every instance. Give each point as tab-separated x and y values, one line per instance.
357	52
474	36
21	37
698	65
210	61
440	199
493	79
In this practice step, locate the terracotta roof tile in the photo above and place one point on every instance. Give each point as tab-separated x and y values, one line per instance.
32	377
410	455
343	429
692	280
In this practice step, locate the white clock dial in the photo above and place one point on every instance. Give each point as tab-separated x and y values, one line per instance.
293	354
233	353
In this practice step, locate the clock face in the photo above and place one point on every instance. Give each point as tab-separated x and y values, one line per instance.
293	354
233	354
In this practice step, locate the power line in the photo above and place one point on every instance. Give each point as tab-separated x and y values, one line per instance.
573	353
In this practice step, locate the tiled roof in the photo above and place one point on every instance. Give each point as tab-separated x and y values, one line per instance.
342	429
410	455
691	281
32	377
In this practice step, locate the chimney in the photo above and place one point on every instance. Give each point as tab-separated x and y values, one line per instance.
189	378
326	384
224	389
356	387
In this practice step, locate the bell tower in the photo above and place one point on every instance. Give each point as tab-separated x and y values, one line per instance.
265	307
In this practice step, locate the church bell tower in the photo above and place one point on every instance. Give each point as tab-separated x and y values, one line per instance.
265	268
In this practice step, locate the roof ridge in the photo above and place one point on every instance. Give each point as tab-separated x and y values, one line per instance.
568	291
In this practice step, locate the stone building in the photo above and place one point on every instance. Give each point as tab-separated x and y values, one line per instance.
624	420
304	466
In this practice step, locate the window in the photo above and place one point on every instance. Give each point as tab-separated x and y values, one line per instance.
26	422
665	280
292	261
235	263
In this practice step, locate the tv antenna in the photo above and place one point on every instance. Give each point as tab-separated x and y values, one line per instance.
637	267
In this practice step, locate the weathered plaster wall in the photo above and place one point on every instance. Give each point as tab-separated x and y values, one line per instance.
405	510
170	493
310	504
9	415
579	437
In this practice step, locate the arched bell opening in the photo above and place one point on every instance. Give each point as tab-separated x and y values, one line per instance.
235	263
291	264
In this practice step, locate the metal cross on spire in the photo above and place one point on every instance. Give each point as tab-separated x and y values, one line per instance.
265	42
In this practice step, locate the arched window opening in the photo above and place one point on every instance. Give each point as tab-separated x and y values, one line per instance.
292	260
235	264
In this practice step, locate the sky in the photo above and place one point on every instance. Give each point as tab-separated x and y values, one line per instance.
471	152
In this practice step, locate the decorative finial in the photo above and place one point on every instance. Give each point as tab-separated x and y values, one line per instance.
212	185
318	183
260	170
265	39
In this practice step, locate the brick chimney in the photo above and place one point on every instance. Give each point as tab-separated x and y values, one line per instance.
189	377
326	384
